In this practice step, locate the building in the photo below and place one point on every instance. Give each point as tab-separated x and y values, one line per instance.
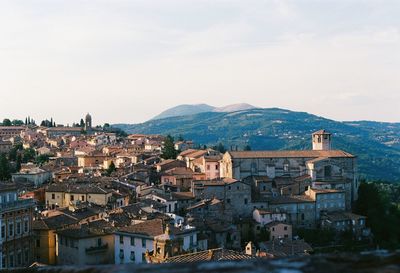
327	200
235	194
36	176
322	164
88	244
5	146
264	217
45	237
16	217
346	221
279	230
132	243
88	122
11	131
65	194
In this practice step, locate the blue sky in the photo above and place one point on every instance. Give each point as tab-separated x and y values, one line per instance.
126	61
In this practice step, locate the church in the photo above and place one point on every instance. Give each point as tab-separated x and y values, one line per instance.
324	167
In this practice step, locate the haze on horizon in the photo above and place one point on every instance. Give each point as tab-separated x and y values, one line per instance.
127	61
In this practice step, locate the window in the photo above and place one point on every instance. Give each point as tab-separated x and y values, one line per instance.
3	231
143	257
245	201
143	243
19	258
132	241
328	171
18	228
132	256
216	167
10	229
121	254
286	167
121	239
83	198
228	201
208	167
285	228
11	260
99	242
26	225
72	198
53	196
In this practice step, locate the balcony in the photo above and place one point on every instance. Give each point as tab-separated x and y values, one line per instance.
96	249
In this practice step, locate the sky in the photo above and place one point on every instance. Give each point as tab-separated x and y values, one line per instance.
125	61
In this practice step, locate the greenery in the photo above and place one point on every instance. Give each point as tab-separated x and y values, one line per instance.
376	144
5	172
383	215
111	168
168	151
317	237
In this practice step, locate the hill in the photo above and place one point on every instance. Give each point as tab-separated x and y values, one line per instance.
375	143
192	109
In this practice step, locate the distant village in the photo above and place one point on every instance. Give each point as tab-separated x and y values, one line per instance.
86	195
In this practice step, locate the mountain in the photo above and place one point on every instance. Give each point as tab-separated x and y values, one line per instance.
376	144
191	109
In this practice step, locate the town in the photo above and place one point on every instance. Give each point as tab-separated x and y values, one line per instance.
85	195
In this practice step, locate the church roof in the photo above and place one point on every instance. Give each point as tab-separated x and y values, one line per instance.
291	154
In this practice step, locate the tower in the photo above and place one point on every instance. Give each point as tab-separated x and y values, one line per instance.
88	122
321	141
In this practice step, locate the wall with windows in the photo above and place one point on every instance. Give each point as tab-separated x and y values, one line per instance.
131	248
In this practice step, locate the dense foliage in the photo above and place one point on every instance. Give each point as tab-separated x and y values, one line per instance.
168	151
383	214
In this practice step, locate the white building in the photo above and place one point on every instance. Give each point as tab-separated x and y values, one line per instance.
132	243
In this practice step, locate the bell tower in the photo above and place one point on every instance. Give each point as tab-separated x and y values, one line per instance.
88	122
322	141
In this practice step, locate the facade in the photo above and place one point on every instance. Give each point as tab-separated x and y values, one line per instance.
264	217
85	245
63	195
16	217
236	195
322	164
11	131
5	146
36	176
279	230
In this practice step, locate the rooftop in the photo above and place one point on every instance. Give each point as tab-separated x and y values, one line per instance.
291	154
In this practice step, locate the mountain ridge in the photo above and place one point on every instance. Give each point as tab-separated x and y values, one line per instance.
190	109
376	144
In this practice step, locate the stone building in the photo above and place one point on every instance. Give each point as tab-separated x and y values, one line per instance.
16	216
335	168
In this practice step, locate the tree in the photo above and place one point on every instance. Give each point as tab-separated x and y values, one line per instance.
40	159
4	168
7	122
82	123
17	122
220	148
111	168
168	151
28	155
247	148
18	163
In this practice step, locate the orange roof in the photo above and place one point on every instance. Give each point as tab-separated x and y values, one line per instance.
292	154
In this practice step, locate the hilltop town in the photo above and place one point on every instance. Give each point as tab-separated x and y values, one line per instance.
86	195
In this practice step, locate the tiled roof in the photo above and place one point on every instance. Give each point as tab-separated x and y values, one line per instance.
290	199
149	228
343	216
291	154
218	254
